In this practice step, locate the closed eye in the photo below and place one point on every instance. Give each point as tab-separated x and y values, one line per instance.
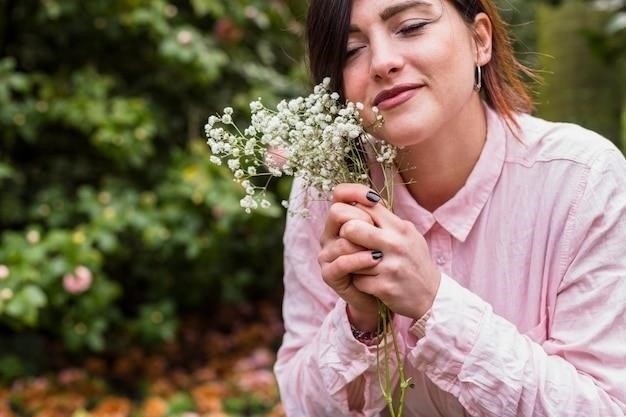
352	51
412	28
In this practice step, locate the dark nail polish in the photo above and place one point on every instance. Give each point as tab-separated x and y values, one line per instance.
376	255
372	196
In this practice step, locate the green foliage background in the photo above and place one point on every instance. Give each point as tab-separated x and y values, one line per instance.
103	161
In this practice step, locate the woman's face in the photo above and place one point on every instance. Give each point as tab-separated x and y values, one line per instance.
415	60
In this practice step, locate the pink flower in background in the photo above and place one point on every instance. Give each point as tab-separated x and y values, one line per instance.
4	272
79	281
276	157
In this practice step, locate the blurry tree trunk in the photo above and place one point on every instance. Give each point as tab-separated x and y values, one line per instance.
6	10
579	85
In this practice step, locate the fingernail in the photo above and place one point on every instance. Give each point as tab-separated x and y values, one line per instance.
372	196
376	255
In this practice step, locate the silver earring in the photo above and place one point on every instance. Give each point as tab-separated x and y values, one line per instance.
479	78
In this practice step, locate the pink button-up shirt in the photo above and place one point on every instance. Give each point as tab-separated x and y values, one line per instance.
530	316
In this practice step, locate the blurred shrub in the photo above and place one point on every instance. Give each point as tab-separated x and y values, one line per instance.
582	70
112	221
609	44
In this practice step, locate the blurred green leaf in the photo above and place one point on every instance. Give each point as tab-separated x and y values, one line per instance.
104	168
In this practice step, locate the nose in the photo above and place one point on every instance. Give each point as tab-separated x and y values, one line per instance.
386	60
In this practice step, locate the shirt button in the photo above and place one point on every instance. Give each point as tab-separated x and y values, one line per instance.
441	260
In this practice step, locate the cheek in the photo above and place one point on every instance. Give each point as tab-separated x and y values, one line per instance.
354	85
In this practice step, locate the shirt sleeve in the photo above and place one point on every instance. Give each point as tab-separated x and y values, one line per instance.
580	369
319	359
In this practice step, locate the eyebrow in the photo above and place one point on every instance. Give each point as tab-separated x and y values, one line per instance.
391	11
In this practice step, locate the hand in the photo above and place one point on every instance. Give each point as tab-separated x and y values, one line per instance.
339	258
405	278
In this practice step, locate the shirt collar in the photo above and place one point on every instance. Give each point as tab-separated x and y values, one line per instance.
458	215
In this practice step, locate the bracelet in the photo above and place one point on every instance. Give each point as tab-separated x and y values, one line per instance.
368	337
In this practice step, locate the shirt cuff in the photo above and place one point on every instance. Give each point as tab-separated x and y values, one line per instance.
347	346
343	358
418	328
450	332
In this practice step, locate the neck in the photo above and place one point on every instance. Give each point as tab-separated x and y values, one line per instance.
436	169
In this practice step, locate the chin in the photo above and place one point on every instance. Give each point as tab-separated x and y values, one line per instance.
403	135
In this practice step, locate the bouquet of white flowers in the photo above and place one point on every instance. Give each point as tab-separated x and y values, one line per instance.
322	141
315	138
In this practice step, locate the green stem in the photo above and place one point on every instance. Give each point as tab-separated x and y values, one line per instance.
387	325
384	369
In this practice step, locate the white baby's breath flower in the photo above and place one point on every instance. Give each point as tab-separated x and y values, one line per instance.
248	203
233	164
321	140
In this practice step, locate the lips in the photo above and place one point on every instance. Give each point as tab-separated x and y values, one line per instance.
394	96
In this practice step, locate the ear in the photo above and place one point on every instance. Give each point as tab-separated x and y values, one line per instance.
482	31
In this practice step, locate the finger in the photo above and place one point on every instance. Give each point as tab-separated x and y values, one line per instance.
338	214
368	200
377	257
371	271
386	220
356	194
334	272
333	248
364	234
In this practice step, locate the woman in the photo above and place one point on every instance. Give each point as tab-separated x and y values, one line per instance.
503	260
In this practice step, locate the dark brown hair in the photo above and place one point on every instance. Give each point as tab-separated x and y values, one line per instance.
328	24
